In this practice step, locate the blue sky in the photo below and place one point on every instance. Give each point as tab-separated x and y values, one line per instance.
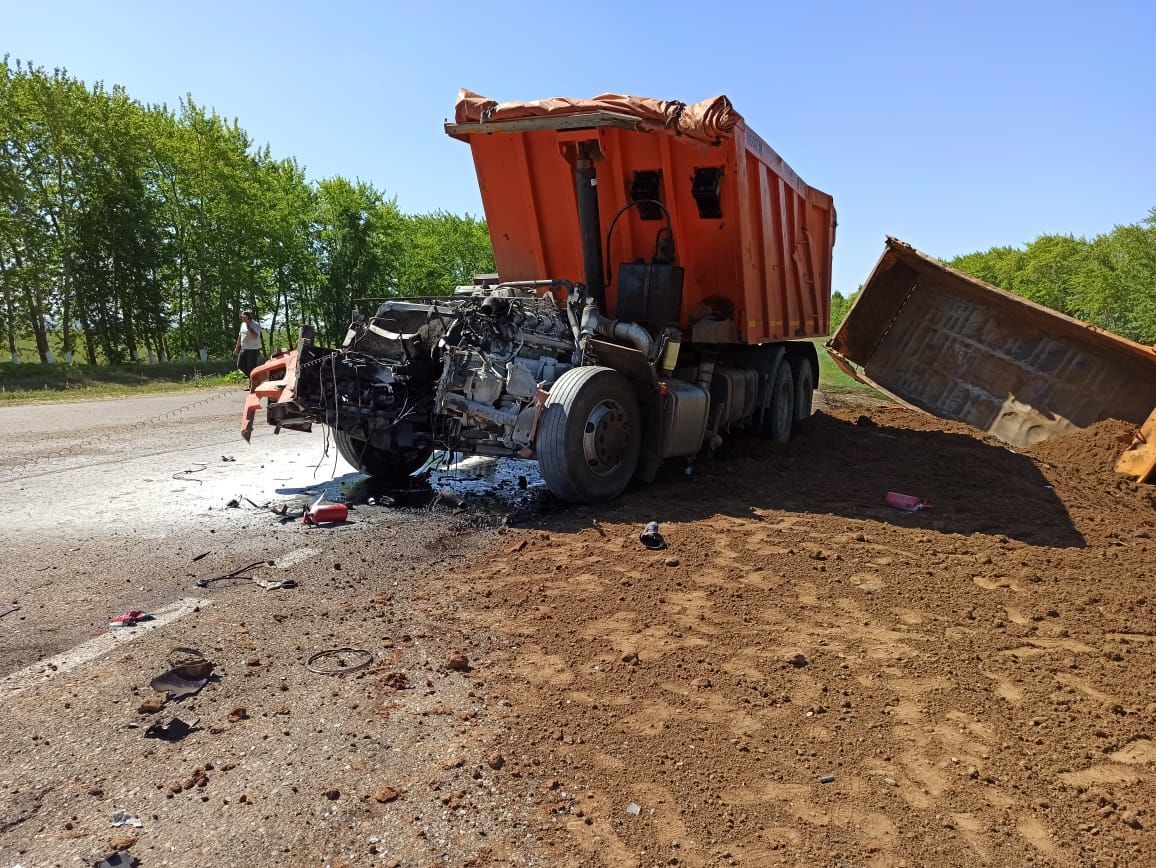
955	126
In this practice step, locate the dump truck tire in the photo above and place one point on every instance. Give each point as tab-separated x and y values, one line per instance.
589	436
388	466
779	420
804	378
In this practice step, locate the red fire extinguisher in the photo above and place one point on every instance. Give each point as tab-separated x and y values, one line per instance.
320	513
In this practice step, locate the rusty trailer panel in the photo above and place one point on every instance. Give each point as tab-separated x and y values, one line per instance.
746	226
958	348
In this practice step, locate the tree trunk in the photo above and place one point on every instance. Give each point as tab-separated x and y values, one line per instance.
36	318
10	313
35	315
89	343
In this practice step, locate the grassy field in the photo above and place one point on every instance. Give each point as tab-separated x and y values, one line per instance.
831	377
60	382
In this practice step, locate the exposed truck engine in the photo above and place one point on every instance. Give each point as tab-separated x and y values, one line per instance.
532	364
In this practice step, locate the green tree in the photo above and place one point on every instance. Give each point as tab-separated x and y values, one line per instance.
443	250
145	231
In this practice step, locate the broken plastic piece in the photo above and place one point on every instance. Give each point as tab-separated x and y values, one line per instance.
905	502
185	677
273	585
174	730
129	619
634	809
651	538
118	859
124	818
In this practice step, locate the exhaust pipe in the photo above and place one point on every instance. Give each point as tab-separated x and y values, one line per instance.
627	332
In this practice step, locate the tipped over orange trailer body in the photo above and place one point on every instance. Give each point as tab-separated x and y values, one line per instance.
746	227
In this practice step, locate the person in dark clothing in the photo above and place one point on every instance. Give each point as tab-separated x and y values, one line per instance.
248	348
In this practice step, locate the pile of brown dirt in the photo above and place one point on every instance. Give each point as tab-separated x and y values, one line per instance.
808	677
1092	451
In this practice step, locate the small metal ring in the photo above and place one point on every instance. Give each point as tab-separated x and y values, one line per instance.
333	652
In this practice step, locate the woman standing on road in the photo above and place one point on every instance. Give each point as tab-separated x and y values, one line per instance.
248	346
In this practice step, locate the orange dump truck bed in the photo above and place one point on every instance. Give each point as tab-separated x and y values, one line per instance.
745	226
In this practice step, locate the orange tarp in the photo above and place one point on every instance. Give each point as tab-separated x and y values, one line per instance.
707	121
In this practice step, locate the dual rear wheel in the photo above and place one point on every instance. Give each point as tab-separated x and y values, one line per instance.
792	391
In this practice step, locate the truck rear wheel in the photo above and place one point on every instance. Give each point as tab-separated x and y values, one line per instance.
388	466
779	418
589	435
804	389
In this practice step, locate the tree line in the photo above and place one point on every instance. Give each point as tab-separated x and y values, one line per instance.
1108	281
132	231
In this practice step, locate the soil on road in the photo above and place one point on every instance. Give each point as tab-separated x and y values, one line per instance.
804	676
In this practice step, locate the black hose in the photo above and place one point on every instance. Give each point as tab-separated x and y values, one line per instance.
623	210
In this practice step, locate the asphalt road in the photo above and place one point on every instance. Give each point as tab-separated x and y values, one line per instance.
107	502
152	463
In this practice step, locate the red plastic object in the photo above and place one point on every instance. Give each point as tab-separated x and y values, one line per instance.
129	619
326	512
906	502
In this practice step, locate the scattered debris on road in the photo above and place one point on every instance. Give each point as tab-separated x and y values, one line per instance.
237	575
129	619
174	730
651	538
187	474
118	859
385	795
152	704
187	676
341	666
275	585
124	818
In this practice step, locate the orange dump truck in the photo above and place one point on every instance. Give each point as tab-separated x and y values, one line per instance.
659	269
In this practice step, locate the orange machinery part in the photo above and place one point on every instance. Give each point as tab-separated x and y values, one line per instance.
769	253
275	380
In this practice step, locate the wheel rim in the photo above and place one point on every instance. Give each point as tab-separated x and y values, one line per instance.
605	437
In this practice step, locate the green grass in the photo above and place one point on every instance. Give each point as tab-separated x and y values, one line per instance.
831	376
37	382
